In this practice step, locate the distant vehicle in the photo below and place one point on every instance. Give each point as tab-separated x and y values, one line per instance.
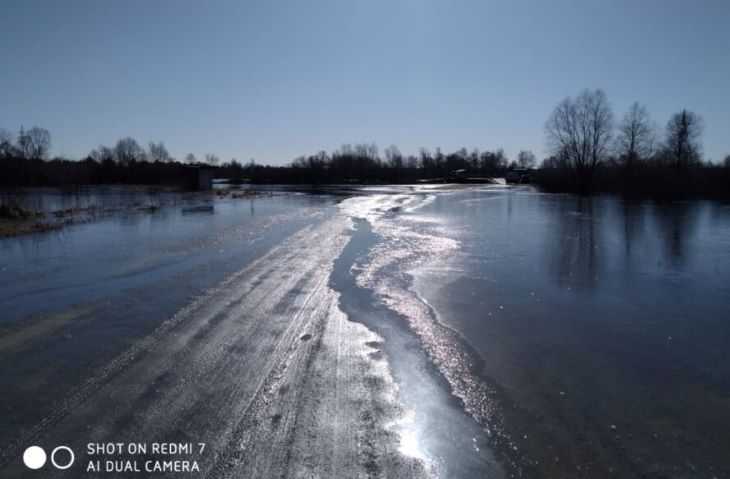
518	175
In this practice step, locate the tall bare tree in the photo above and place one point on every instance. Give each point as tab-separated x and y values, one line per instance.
23	143
394	157
526	159
158	152
40	142
212	159
684	130
579	130
190	159
127	151
6	143
636	136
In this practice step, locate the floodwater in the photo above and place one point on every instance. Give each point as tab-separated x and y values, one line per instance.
589	336
402	331
73	299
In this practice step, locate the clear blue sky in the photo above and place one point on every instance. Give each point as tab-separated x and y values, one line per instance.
275	79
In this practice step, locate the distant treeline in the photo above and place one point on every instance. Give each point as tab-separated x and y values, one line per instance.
24	163
362	163
19	172
649	179
590	153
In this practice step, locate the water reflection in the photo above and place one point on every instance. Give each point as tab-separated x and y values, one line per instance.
577	242
95	251
632	213
583	233
675	223
604	320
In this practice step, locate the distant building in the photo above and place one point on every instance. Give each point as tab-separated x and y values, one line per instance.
201	177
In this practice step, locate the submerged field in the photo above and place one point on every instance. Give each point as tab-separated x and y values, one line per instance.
396	332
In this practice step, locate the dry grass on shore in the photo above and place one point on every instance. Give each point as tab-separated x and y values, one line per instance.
15	220
22	227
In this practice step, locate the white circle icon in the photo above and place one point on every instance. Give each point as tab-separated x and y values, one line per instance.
34	457
70	459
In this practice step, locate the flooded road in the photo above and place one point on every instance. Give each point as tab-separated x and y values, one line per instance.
430	331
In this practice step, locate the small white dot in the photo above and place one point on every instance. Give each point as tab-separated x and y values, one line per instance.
34	457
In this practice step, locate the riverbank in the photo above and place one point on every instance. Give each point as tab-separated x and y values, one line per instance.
644	181
42	210
15	220
37	222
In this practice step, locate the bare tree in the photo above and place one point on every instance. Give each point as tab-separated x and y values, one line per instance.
95	155
684	130
127	151
726	161
579	130
492	162
38	142
554	162
106	154
636	136
212	159
366	150
394	157
526	159
158	152
190	159
102	154
411	162
6	143
23	143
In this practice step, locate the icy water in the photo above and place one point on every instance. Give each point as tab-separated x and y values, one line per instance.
406	331
73	299
590	337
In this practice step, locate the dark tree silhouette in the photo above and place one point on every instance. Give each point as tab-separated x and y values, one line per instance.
39	142
526	159
6	144
158	152
128	151
635	139
23	144
684	130
579	130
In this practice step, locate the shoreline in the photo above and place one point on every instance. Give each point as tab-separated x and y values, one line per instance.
20	220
